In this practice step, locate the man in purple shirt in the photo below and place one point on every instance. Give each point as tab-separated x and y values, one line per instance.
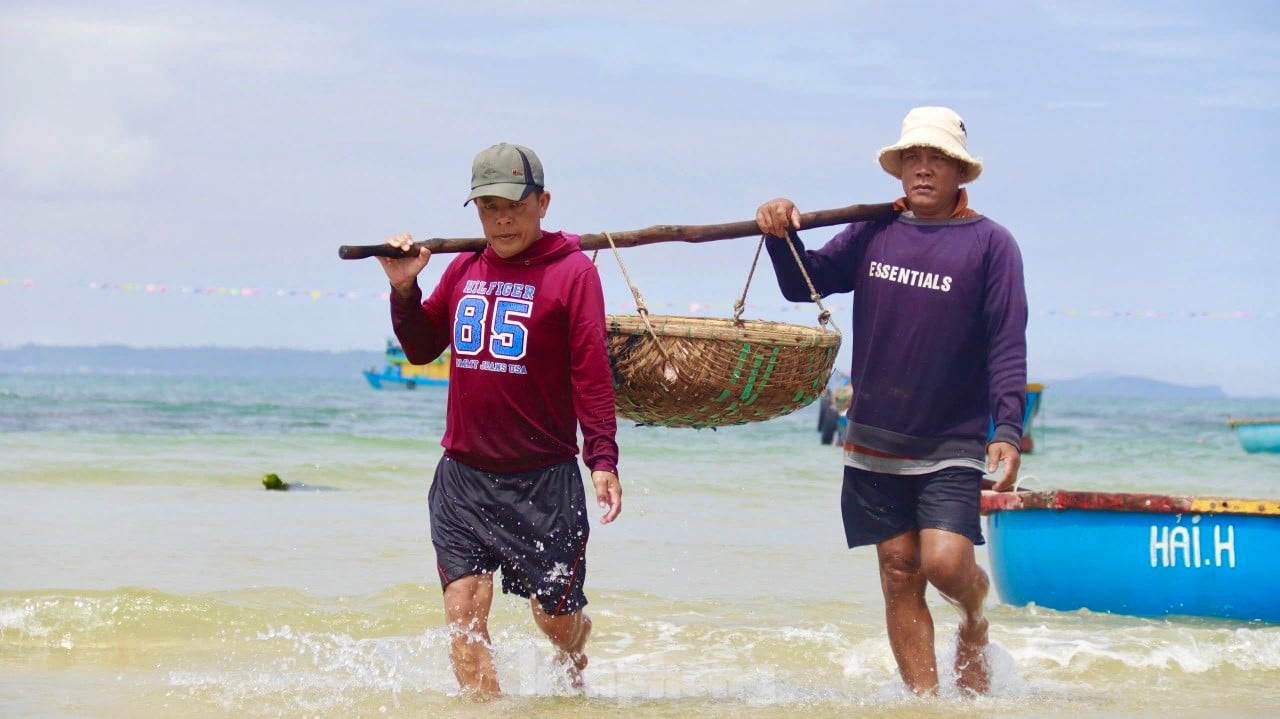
939	352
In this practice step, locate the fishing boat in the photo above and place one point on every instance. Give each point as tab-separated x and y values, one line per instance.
1027	445
833	403
397	370
831	408
1137	554
1034	392
1257	435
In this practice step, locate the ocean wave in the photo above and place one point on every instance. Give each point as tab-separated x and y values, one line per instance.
253	650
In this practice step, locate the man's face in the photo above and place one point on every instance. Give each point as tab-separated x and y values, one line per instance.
931	179
511	226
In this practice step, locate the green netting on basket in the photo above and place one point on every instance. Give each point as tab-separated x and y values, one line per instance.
709	372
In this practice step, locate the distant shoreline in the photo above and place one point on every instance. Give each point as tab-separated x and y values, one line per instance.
278	362
1113	385
187	361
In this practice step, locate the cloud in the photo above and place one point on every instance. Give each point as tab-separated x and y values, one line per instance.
1075	104
79	84
821	47
1108	17
704	13
69	81
1242	94
1206	59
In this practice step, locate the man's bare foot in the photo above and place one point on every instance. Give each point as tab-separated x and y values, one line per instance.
973	672
573	665
574	660
479	696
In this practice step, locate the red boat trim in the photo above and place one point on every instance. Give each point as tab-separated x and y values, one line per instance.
1126	502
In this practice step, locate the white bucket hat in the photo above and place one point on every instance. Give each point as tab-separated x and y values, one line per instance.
938	127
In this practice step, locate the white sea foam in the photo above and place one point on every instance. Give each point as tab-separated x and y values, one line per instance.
724	588
1151	645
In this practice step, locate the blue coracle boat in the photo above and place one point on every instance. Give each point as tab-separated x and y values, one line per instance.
1257	435
1138	554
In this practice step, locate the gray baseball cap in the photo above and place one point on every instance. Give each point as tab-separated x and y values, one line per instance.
505	170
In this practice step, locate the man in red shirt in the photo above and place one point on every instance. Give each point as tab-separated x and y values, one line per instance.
524	320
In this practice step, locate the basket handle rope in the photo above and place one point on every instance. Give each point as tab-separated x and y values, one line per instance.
739	305
824	314
640	306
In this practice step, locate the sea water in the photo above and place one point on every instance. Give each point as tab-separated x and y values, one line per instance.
146	572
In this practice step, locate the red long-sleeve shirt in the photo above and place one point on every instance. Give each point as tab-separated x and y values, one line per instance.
529	357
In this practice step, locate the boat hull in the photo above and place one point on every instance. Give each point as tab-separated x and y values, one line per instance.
1143	563
382	380
1033	406
1259	437
398	371
1027	444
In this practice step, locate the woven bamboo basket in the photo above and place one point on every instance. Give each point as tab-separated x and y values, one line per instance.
715	372
694	371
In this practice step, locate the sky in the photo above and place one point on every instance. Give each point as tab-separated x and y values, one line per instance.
181	174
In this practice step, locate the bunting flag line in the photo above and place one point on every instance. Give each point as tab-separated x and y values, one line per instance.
161	289
718	309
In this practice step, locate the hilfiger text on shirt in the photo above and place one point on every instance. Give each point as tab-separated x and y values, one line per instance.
914	278
491	318
499	289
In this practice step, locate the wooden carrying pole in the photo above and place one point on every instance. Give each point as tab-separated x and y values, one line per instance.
647	236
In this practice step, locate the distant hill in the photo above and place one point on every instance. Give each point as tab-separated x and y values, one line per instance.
186	361
1113	385
232	362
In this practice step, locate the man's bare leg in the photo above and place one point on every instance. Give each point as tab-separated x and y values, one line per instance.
466	608
951	566
973	672
907	615
568	633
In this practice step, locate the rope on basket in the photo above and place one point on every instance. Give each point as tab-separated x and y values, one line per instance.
824	314
740	304
640	306
708	372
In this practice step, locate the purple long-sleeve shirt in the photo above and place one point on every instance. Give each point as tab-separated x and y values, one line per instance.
939	335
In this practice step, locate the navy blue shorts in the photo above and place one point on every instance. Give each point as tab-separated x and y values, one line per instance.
879	506
531	525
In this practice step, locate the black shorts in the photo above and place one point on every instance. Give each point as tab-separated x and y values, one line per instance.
879	506
531	525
